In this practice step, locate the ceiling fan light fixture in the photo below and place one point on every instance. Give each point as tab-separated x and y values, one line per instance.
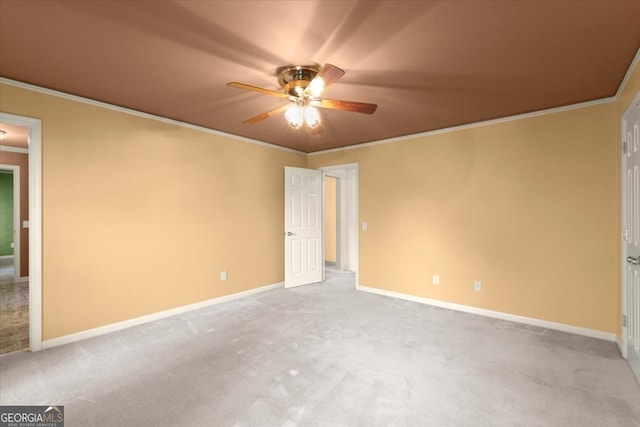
316	86
311	116
302	86
294	116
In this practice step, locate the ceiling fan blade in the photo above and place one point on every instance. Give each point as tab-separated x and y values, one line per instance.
330	74
265	115
259	90
335	104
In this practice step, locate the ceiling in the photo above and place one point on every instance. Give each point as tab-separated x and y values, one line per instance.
427	64
14	136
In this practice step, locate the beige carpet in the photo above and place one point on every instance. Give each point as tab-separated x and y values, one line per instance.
328	355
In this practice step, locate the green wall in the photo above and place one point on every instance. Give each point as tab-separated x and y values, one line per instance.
6	213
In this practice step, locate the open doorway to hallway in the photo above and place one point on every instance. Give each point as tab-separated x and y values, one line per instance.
14	238
341	219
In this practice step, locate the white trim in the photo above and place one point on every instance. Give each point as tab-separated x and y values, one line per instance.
470	125
627	75
14	149
355	168
619	345
323	212
90	333
35	224
494	314
17	220
35	234
141	114
6	256
623	243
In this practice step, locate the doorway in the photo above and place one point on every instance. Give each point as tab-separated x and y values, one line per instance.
341	202
29	225
14	286
304	250
9	222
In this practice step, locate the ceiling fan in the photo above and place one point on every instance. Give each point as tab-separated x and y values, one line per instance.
302	86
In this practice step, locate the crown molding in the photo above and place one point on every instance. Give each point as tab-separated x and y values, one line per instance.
627	76
472	125
129	111
10	149
556	110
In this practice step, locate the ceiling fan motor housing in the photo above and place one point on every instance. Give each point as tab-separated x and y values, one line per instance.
295	80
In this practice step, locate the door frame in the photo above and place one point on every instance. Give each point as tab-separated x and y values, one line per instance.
623	208
15	171
347	224
35	224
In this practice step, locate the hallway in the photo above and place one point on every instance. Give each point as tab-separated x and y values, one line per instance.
14	310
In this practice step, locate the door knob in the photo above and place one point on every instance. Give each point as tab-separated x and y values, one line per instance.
289	233
632	260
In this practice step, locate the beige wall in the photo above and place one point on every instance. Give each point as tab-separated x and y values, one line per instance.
330	219
529	207
22	160
141	216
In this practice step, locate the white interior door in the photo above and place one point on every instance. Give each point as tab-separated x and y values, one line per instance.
631	238
303	227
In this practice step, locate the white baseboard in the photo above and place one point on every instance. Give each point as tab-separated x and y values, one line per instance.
619	344
90	333
6	256
495	314
23	279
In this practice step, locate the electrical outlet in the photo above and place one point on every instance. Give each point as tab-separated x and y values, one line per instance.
436	279
223	275
477	285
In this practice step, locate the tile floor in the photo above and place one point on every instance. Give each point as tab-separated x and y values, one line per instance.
14	310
